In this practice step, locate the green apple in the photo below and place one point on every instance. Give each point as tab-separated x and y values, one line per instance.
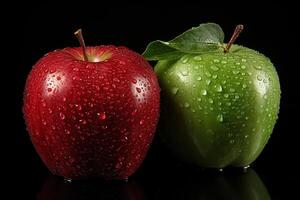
219	101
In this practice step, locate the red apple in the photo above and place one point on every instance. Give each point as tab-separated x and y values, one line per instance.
92	111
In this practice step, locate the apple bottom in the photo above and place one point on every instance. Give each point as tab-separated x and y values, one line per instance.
87	160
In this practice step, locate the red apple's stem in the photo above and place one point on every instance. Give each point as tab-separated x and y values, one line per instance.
238	29
79	36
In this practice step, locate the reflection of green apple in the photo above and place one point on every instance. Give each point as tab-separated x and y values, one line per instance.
218	106
246	186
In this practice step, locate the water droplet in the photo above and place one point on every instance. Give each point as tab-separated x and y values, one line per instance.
174	90
134	81
198	99
220	118
235	71
204	92
223	61
218	88
265	81
101	115
58	78
185	60
244	85
184	73
141	122
246	136
214	68
231	141
215	76
216	60
75	69
208	82
232	90
265	96
228	103
199	78
208	74
244	60
257	67
62	116
243	67
210	100
67	132
78	106
49	89
226	95
197	58
259	77
236	96
64	99
138	90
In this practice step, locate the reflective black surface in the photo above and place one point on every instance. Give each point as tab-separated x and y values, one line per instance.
40	28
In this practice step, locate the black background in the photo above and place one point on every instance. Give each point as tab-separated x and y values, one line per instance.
271	30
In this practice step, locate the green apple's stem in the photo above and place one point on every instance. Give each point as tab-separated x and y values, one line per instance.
238	29
79	36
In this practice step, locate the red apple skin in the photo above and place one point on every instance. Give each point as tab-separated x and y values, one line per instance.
92	119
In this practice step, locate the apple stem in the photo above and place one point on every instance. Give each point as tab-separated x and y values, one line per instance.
238	29
79	36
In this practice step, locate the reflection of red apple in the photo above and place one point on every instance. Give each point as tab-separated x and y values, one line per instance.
57	189
92	112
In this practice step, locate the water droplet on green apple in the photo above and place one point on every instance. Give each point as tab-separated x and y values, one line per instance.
203	92
214	68
199	99
235	71
244	60
184	73
226	95
258	67
259	77
199	78
216	60
174	90
220	118
218	88
244	85
197	58
185	60
208	74
215	76
210	100
186	105
208	82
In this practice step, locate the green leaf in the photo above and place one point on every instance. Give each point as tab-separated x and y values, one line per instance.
204	38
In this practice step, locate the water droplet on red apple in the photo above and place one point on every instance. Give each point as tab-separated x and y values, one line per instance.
49	89
75	69
141	121
134	81
101	115
67	132
62	116
138	90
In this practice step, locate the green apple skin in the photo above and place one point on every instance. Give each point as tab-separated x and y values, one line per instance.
218	109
